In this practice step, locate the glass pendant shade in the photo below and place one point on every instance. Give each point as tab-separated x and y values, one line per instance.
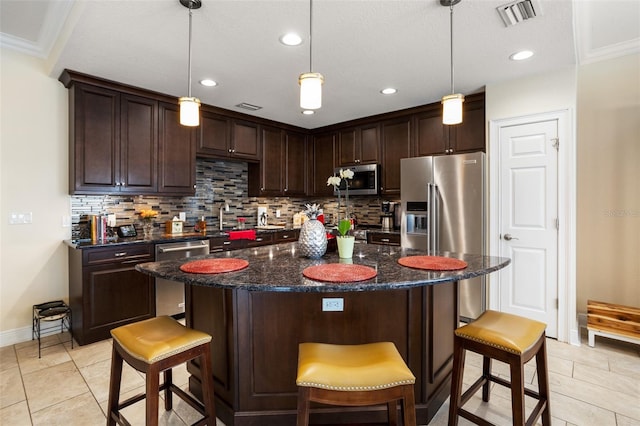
189	111
452	109
311	90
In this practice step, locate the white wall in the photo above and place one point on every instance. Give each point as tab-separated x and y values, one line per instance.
33	178
553	92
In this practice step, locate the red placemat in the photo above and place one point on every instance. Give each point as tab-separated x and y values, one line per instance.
339	272
434	263
214	266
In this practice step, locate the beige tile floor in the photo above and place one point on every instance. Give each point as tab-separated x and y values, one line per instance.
589	386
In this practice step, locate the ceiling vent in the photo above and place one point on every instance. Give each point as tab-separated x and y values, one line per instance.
249	107
518	11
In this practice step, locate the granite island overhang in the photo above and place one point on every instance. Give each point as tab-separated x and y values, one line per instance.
258	316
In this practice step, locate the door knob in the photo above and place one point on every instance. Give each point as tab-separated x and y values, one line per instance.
508	237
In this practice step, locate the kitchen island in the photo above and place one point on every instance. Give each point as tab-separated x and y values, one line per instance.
258	316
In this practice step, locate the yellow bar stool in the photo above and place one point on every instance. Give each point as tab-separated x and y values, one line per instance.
511	339
355	375
153	346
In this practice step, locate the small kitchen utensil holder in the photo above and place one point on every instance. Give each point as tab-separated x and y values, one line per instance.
50	312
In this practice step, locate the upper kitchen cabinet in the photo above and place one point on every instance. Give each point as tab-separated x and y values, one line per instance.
358	145
396	144
434	138
282	169
113	141
322	162
176	153
126	140
223	137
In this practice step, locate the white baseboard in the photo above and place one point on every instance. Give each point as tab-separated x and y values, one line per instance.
19	335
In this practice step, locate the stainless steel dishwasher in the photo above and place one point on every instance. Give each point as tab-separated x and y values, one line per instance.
170	294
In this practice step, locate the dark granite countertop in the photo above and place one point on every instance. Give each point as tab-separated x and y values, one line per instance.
279	268
160	237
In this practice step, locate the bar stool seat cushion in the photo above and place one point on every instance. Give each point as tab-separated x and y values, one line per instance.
157	338
364	367
504	331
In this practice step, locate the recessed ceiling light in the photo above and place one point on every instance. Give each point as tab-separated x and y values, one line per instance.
208	82
308	112
291	39
388	91
522	55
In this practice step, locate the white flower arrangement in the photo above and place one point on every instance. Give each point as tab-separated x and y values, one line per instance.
344	225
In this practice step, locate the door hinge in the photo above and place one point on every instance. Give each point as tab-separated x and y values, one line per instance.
557	223
557	302
555	143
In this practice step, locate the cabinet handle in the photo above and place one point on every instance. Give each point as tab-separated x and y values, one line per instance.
233	150
120	254
226	243
384	240
286	189
284	237
229	150
259	239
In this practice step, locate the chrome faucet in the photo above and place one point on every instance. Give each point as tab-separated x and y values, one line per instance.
224	206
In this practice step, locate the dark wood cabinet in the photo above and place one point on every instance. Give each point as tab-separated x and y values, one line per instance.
176	153
396	144
383	238
219	136
282	168
138	144
358	145
105	290
322	164
256	336
94	131
245	140
434	138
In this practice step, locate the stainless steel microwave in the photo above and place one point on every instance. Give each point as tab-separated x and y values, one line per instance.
366	180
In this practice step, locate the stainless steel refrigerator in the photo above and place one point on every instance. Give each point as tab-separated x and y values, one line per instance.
443	209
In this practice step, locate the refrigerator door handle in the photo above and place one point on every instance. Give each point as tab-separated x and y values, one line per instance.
435	209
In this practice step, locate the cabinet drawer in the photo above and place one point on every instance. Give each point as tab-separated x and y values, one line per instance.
127	253
262	239
287	236
383	238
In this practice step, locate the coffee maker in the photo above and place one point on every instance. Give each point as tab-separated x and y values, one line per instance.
387	218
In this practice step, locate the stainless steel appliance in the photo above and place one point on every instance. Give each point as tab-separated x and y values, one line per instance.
443	209
365	180
387	218
170	294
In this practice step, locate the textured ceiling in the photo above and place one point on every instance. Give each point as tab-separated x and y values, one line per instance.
359	46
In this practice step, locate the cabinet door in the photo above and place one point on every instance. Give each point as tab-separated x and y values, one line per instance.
177	153
114	296
323	148
272	162
213	135
369	144
95	140
469	136
347	148
295	164
396	144
138	144
431	136
245	143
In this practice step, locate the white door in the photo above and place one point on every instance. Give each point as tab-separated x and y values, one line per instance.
528	182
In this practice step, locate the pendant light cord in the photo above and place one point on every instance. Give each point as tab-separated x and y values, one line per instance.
451	38
310	35
190	13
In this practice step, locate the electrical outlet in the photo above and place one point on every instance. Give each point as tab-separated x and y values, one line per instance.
19	218
332	304
277	213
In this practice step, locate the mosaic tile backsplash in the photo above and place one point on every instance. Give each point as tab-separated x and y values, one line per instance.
217	182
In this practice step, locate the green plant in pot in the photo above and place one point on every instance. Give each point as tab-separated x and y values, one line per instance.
345	241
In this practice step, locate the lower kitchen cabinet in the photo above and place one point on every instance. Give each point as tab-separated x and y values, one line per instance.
383	238
105	290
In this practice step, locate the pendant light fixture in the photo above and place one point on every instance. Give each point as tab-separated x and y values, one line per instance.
190	106
451	104
310	82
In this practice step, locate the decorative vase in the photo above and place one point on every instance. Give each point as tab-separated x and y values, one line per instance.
312	242
345	246
147	229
